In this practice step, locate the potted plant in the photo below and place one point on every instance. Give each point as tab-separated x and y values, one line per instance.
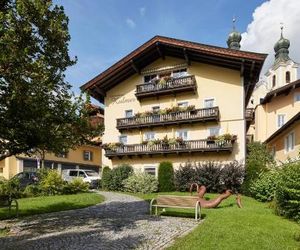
211	139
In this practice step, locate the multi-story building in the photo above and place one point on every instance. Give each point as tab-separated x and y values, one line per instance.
173	100
83	157
277	105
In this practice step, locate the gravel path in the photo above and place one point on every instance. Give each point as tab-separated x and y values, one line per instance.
121	222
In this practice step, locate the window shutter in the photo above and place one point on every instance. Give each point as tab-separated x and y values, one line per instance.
91	155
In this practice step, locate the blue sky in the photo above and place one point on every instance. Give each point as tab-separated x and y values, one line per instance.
103	31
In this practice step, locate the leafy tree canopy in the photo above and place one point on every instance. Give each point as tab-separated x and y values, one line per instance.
37	109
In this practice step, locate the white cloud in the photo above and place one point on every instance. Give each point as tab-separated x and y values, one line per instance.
130	23
264	30
142	11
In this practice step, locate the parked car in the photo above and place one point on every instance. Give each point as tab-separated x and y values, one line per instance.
26	178
89	176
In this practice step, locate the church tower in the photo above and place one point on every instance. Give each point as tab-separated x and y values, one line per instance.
284	69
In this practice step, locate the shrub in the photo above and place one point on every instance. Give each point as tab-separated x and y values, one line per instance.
258	160
51	183
184	177
264	186
232	176
141	183
105	179
10	187
117	176
77	185
209	174
288	191
32	190
166	177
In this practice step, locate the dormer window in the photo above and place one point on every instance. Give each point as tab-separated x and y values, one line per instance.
288	77
274	81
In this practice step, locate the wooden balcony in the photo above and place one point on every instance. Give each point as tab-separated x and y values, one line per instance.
193	146
249	114
171	86
180	117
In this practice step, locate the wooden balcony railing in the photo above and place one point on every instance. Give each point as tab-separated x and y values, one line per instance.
171	86
161	148
180	117
249	114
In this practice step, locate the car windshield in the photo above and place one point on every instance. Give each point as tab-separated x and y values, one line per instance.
91	173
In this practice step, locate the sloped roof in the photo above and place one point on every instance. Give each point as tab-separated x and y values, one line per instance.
248	63
286	126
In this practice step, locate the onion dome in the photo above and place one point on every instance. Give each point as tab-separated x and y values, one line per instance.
234	38
281	48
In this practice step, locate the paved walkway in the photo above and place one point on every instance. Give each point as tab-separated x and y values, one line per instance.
121	222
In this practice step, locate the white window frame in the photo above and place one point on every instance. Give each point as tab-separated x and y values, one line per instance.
296	96
124	137
157	106
147	133
150	166
87	153
210	98
183	104
277	121
180	74
214	127
127	111
182	131
287	148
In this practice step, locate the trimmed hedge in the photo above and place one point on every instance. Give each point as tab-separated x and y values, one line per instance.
141	183
166	177
288	191
116	176
105	179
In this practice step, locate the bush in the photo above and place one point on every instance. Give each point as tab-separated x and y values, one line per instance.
105	179
264	187
10	188
77	185
232	176
258	160
51	183
117	176
288	191
31	191
141	183
166	177
184	177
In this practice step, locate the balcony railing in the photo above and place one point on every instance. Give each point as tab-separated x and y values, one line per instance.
249	114
180	117
163	87
161	148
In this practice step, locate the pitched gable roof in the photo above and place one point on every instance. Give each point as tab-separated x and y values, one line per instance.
248	63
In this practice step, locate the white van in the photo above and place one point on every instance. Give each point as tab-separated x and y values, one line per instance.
89	176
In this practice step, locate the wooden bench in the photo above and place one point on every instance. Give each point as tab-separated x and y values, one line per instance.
8	201
172	201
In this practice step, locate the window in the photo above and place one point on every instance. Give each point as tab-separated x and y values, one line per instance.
128	113
214	131
182	134
150	170
297	97
288	77
149	136
81	174
273	81
280	120
209	102
183	104
155	109
87	155
289	142
73	173
179	73
123	139
149	78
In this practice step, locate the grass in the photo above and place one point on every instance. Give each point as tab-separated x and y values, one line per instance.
47	204
255	226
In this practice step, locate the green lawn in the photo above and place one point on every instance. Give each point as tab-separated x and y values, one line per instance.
47	204
255	226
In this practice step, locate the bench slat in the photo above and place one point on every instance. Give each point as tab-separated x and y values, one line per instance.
177	201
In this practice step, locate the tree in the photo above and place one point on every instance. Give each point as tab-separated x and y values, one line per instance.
38	112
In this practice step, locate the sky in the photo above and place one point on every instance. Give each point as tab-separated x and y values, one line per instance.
104	31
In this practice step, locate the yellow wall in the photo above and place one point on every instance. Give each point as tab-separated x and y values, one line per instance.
266	115
278	144
13	165
223	84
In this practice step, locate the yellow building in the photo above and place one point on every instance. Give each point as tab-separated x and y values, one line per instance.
169	98
83	157
277	105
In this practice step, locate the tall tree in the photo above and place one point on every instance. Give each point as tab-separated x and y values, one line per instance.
37	109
